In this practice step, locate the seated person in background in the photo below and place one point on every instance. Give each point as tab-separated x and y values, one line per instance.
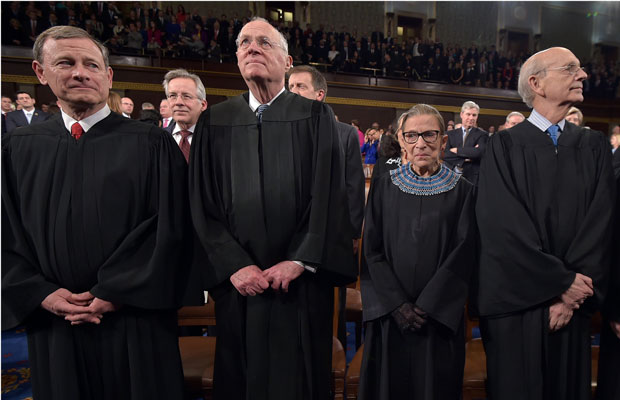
419	243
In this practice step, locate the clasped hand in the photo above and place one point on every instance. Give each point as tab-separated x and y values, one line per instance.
409	317
561	312
251	280
77	308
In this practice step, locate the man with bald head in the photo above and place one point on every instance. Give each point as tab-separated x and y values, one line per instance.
270	208
544	211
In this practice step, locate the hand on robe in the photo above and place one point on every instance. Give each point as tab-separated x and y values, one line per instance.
578	292
95	309
60	303
559	315
409	317
615	328
249	281
282	274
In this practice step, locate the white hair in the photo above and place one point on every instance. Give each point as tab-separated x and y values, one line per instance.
183	73
512	114
283	42
470	104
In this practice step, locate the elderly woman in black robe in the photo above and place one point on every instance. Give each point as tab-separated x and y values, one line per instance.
420	249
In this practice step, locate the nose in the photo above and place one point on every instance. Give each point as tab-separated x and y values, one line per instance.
79	72
581	75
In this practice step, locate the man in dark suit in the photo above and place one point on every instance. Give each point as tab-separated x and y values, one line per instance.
308	82
466	144
28	115
186	99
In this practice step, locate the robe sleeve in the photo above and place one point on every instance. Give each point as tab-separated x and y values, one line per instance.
590	251
23	285
226	256
612	302
515	273
444	296
149	268
381	289
326	215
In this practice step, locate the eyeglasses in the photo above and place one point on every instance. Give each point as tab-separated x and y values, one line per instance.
184	96
411	137
570	68
262	42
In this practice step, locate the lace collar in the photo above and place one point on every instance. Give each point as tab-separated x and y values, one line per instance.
409	182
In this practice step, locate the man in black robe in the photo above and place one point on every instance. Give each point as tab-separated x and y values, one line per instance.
308	82
544	212
608	382
94	226
269	206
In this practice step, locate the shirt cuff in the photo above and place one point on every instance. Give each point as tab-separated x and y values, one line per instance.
306	267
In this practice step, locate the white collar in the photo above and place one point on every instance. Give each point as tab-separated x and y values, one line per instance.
87	122
543	123
254	103
178	129
28	112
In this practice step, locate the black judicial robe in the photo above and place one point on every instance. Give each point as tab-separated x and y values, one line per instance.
542	216
104	214
421	249
608	382
260	196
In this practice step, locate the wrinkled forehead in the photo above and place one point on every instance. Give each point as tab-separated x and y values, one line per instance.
256	29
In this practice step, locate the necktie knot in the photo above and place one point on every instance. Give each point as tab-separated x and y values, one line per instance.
553	133
76	130
260	110
185	133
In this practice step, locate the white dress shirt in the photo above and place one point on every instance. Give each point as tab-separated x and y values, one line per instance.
176	133
87	122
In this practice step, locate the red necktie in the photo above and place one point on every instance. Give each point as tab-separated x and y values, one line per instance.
165	122
77	131
184	143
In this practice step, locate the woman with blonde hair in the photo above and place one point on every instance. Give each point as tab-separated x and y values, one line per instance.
114	102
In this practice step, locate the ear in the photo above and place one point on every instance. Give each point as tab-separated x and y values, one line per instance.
110	75
288	62
38	70
321	95
536	85
444	142
204	105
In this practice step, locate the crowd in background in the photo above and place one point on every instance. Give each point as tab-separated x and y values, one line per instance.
170	32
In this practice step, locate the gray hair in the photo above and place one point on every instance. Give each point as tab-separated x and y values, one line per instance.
470	104
283	42
182	73
66	32
422	109
512	114
532	66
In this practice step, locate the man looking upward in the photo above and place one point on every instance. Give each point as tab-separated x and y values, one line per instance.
270	209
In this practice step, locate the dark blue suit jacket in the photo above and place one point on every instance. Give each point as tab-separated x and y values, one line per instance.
15	119
472	150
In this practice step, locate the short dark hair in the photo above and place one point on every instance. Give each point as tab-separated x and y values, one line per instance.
22	92
150	117
318	80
